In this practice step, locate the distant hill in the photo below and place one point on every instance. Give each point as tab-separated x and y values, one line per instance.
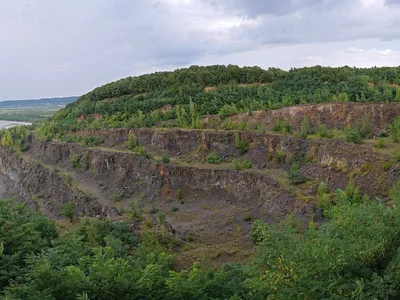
38	103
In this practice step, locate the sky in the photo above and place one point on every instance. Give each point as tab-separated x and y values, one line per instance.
54	48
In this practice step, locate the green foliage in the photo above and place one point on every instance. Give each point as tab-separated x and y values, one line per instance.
280	156
213	158
366	128
117	197
282	126
395	130
247	216
143	101
238	164
380	143
179	195
165	159
294	174
68	210
396	156
227	125
305	128
227	111
132	141
174	209
153	209
353	135
16	138
241	144
85	161
76	161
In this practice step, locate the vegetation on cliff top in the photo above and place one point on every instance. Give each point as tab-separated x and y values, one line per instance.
144	100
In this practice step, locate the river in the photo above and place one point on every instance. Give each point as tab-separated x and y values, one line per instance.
9	124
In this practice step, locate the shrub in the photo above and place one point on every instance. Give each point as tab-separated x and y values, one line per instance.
295	175
353	136
227	125
241	164
305	127
366	129
213	158
282	126
85	161
228	110
322	188
76	161
179	194
67	210
243	126
132	141
153	209
386	166
280	156
380	143
247	216
323	201
394	129
396	156
323	132
174	209
141	151
241	144
117	197
165	159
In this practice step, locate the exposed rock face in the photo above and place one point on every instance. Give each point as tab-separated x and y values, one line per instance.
47	187
334	158
333	115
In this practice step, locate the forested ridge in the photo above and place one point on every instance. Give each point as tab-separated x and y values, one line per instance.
212	87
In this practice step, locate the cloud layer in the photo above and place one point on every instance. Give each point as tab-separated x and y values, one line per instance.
51	48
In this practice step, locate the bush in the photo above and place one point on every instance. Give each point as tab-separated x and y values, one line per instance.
117	197
227	125
174	209
295	175
76	161
323	201
228	110
380	143
241	164
323	132
132	141
353	136
282	126
247	216
243	126
179	194
241	144
394	129
165	159
68	210
366	129
396	156
153	209
280	156
85	161
305	129
213	158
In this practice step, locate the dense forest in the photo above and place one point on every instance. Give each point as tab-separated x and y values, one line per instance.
147	97
353	255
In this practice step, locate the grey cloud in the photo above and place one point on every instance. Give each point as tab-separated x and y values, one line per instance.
254	8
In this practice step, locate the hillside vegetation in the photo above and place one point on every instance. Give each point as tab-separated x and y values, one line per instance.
209	183
136	101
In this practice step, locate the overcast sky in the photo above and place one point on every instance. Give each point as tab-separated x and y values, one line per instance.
68	47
